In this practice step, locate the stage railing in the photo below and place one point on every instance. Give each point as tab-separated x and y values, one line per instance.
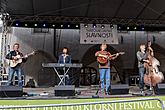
53	106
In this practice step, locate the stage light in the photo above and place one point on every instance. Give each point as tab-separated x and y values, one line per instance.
85	25
102	26
68	25
127	27
62	25
142	28
17	24
77	26
135	28
26	25
119	27
44	25
94	25
53	25
35	25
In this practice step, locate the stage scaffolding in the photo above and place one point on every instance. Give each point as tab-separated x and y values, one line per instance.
4	47
89	20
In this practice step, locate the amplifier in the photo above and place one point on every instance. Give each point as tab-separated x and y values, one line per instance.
64	90
160	89
11	91
119	89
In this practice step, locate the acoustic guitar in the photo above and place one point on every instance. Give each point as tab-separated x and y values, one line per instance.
14	63
104	58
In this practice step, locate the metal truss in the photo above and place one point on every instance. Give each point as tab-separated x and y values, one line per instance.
88	20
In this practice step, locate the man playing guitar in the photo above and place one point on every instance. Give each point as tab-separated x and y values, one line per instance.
104	68
12	56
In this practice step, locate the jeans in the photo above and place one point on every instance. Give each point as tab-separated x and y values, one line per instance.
104	74
18	72
141	77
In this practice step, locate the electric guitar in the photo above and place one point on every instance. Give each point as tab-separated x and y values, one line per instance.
14	63
103	59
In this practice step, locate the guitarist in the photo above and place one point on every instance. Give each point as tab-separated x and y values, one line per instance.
104	69
17	69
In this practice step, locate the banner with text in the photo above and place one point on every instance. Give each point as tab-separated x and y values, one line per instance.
101	33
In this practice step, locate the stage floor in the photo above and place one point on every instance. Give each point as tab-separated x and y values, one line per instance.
84	92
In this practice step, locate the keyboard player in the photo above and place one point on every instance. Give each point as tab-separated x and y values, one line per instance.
63	59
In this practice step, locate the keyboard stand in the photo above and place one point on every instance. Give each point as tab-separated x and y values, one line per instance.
62	79
65	67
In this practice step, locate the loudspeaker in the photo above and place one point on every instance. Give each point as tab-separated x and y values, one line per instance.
160	89
119	89
64	90
11	91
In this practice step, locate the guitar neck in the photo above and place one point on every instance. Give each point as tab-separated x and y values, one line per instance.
25	55
113	55
21	57
120	53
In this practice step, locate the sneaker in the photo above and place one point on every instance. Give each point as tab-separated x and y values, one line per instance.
141	91
150	89
106	93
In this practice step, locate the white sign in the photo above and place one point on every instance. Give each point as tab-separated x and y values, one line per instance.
98	34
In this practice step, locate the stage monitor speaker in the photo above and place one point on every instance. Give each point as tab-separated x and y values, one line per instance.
64	90
119	89
11	91
160	89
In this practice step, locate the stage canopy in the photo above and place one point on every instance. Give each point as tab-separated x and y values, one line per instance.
147	12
